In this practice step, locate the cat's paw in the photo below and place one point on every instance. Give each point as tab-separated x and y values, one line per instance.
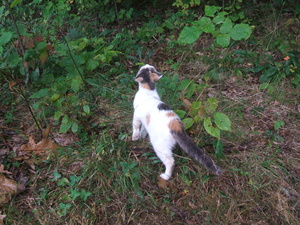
165	176
135	137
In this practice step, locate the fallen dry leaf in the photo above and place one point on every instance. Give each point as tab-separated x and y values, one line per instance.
43	149
4	171
8	188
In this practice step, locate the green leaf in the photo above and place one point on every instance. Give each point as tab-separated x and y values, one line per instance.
86	109
213	131
223	40
188	123
222	121
40	94
65	119
56	175
278	124
14	3
205	24
218	145
55	97
63	181
92	64
13	60
220	18
75	85
189	35
264	86
5	38
57	115
74	127
226	26
41	46
211	10
180	113
240	32
195	107
65	127
211	105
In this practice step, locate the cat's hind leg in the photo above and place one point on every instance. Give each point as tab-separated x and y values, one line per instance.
165	154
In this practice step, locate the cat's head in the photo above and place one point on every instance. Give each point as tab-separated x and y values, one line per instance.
147	76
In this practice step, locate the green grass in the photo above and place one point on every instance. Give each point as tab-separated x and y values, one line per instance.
102	177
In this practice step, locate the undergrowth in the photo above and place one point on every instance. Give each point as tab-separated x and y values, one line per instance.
67	73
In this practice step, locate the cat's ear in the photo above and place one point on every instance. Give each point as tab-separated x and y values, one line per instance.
139	79
155	76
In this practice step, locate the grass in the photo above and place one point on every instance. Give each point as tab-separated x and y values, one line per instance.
102	177
259	186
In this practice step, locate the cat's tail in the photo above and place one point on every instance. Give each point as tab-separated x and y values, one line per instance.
187	144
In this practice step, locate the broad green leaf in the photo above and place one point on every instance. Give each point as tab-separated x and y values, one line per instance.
220	18
13	60
86	109
205	24
40	94
223	40
92	64
240	32
180	113
65	119
5	38
189	35
226	26
213	131
75	85
222	121
41	46
211	10
65	127
184	84
188	123
211	105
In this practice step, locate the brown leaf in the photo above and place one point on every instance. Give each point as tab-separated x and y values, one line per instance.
187	104
4	171
8	188
11	85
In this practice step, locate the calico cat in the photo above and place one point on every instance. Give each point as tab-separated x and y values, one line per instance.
164	127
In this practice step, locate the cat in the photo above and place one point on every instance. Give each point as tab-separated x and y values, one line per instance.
164	127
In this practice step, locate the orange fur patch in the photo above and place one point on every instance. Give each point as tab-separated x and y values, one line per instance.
171	114
148	119
176	125
146	86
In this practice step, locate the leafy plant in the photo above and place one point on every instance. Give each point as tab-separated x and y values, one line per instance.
219	24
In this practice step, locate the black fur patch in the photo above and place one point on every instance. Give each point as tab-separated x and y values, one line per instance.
163	106
145	74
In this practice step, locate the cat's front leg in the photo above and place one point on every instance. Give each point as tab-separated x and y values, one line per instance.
143	132
136	123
